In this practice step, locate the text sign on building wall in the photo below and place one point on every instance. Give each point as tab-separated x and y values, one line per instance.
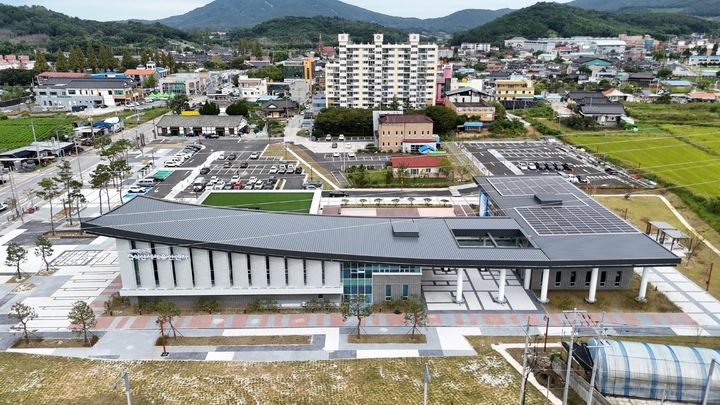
144	254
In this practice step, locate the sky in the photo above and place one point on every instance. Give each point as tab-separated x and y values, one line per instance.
154	9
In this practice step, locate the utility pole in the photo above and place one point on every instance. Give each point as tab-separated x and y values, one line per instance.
37	147
126	380
426	378
596	363
708	382
525	373
569	359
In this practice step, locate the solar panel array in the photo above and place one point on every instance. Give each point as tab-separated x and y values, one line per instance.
519	186
574	220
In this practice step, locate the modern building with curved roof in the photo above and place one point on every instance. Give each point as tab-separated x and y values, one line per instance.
541	226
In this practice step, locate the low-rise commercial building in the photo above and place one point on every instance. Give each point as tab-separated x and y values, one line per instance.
65	93
513	89
397	130
189	84
197	125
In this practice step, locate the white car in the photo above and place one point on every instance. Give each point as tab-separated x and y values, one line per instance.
273	169
235	179
251	180
341	137
351	154
213	180
3	206
136	190
172	163
328	137
219	185
532	166
258	185
523	166
290	168
336	154
254	155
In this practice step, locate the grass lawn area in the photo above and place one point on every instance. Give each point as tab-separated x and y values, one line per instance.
707	138
696	113
54	343
641	208
235	340
482	379
275	150
674	161
270	201
378	179
610	300
15	133
316	168
387	338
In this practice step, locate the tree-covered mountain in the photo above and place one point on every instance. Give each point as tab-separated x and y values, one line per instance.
553	19
22	28
297	32
702	8
230	14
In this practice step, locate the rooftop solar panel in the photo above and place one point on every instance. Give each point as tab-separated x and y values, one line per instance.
574	220
528	186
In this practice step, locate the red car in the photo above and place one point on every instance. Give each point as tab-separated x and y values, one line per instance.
238	186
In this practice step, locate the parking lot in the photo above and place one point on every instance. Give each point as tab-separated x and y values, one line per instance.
507	158
336	164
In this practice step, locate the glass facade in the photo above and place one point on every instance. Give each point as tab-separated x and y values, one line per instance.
357	276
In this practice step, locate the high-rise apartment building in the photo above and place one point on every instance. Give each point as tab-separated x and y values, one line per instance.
368	75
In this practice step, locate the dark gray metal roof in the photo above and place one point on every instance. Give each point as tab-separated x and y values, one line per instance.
310	236
424	241
188	121
615	109
598	237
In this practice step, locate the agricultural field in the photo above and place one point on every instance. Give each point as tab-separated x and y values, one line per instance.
15	133
678	114
270	201
670	159
483	379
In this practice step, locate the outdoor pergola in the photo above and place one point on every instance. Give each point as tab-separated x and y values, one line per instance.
663	231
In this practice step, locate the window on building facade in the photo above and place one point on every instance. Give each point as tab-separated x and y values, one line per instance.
558	278
588	276
573	278
388	292
405	291
603	278
618	278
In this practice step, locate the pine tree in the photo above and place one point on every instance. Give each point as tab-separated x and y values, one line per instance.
243	46
127	61
41	64
61	62
144	57
106	60
91	60
255	49
76	61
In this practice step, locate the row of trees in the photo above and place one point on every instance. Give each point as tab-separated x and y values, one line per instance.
357	306
103	60
81	316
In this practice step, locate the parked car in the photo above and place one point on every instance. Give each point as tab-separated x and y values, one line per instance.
228	186
290	168
336	154
523	166
272	180
341	137
338	193
351	154
298	170
254	156
227	164
328	137
252	180
204	171
172	163
244	165
582	180
212	136
281	169
213	180
268	186
238	185
231	156
258	185
219	185
135	190
532	166
235	178
334	145
273	169
3	206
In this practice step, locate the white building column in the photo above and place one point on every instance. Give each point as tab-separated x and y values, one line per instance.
277	272
501	287
240	270
201	268
296	277
147	272
221	267
183	271
642	295
593	285
527	279
332	274
258	270
127	267
459	291
165	271
545	283
314	273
